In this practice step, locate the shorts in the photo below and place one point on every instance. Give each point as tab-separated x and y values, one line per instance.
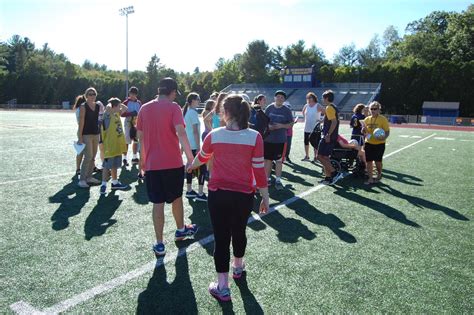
273	151
165	185
313	138
324	148
128	138
359	138
374	152
112	162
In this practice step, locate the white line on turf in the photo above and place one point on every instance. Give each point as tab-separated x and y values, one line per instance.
22	307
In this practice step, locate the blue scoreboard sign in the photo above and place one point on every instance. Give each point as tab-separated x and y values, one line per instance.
298	77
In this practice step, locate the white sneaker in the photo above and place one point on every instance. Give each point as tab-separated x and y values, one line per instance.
93	181
82	184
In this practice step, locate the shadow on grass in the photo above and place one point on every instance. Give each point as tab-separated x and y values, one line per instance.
68	207
162	297
251	304
329	220
422	203
299	169
200	216
380	207
402	178
100	218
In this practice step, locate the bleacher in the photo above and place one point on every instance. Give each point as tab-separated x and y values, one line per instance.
347	95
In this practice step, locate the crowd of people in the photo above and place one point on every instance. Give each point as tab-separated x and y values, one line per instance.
242	142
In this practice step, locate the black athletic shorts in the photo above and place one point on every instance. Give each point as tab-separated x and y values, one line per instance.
313	138
374	152
273	151
165	185
325	148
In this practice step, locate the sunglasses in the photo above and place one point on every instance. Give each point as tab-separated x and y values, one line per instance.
375	108
91	94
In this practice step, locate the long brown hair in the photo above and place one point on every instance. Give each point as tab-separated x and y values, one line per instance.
218	105
79	100
238	110
191	97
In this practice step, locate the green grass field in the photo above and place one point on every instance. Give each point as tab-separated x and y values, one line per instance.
402	246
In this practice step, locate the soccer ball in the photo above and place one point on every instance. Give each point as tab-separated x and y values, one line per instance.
354	142
379	134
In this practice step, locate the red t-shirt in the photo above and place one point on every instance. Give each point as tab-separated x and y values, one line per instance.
160	144
238	160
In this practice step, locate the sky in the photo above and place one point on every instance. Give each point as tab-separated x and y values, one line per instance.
186	34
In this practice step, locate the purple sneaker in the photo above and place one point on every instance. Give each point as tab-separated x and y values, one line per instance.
189	231
222	295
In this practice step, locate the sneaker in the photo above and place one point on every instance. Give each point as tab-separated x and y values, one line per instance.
159	249
238	271
305	159
141	176
222	295
189	231
325	181
93	181
125	162
103	189
278	185
135	161
82	184
191	194
97	170
119	186
202	197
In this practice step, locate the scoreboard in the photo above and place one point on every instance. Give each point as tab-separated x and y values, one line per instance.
298	76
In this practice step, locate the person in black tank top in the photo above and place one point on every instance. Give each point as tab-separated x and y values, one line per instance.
88	134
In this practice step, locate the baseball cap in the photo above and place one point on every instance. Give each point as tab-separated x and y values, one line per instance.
281	92
167	85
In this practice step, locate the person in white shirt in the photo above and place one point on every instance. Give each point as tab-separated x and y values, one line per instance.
312	118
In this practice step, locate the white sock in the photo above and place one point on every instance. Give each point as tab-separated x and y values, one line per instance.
104	183
135	156
278	179
115	181
124	156
181	230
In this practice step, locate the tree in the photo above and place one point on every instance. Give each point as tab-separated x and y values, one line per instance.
347	56
460	33
256	62
372	54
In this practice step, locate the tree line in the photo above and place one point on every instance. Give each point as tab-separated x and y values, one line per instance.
433	61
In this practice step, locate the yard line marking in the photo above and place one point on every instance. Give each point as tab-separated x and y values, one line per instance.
443	138
22	307
410	145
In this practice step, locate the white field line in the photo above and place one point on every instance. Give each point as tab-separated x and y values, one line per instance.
22	307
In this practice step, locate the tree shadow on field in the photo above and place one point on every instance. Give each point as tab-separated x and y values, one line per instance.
382	208
422	203
163	297
402	178
68	207
100	218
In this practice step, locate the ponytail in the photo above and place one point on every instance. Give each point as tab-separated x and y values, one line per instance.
238	110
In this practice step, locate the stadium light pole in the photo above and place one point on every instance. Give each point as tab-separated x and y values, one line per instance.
126	11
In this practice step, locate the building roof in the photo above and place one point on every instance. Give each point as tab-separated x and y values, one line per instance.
440	105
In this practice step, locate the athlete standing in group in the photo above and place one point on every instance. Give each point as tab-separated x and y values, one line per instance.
160	129
238	167
133	104
312	118
193	132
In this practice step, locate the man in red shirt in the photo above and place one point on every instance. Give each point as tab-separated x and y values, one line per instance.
160	130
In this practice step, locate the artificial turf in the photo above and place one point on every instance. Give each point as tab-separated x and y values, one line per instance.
404	245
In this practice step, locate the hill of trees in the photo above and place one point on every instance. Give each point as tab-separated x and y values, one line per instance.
433	60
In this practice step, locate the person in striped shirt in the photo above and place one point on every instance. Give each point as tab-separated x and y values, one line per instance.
238	170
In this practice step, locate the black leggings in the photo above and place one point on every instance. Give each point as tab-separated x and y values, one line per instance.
229	212
202	173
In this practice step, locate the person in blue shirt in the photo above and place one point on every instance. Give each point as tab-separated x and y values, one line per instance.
356	123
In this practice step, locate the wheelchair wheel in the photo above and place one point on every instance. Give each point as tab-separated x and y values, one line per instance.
336	165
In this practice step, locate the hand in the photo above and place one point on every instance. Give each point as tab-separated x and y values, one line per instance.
80	141
264	205
189	167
